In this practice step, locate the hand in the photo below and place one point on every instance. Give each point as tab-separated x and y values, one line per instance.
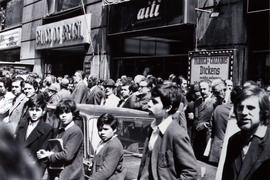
202	126
41	154
191	116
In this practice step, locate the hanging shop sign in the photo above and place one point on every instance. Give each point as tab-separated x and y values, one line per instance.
10	39
73	31
141	14
210	65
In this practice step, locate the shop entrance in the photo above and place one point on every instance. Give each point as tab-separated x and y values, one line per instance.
164	51
62	63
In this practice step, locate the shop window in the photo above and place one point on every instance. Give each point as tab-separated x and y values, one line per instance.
55	6
10	13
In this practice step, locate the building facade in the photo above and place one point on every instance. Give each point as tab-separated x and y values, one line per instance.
61	36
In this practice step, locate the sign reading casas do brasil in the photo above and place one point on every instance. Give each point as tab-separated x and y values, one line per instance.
68	32
210	65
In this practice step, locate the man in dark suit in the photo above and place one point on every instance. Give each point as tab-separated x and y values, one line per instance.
167	153
33	132
80	91
95	93
248	152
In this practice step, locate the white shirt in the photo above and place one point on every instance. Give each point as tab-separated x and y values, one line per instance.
31	126
69	125
162	127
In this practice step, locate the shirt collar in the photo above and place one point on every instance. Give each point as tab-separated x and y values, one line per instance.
69	125
163	126
261	131
33	123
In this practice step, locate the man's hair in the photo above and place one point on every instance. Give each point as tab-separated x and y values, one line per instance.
82	74
107	119
170	95
19	79
37	100
66	105
216	83
6	82
238	95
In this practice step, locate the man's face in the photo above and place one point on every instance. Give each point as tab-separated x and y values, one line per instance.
125	91
16	88
205	90
2	89
229	85
268	90
248	114
156	108
106	132
77	77
108	90
66	118
219	91
29	90
35	113
143	87
184	84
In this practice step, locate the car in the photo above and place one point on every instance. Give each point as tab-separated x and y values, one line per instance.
131	132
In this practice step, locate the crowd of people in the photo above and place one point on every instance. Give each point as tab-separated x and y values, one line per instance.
190	124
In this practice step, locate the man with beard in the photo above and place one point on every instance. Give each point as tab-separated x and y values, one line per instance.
167	153
248	152
6	98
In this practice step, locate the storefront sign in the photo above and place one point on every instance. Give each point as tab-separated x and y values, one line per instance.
10	39
150	11
210	65
141	14
68	32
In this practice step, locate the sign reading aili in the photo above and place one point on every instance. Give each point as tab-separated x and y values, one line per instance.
68	32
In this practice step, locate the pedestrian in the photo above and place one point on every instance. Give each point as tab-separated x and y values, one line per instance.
167	152
80	91
110	99
65	161
109	156
248	151
6	98
16	111
33	133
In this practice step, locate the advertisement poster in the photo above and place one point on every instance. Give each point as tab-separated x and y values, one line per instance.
210	65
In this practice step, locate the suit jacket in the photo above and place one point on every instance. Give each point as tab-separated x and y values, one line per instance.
171	158
80	92
94	95
38	139
220	119
108	162
15	112
72	155
5	104
64	94
256	164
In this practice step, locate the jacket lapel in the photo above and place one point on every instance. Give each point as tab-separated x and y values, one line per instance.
17	102
34	134
251	158
154	155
